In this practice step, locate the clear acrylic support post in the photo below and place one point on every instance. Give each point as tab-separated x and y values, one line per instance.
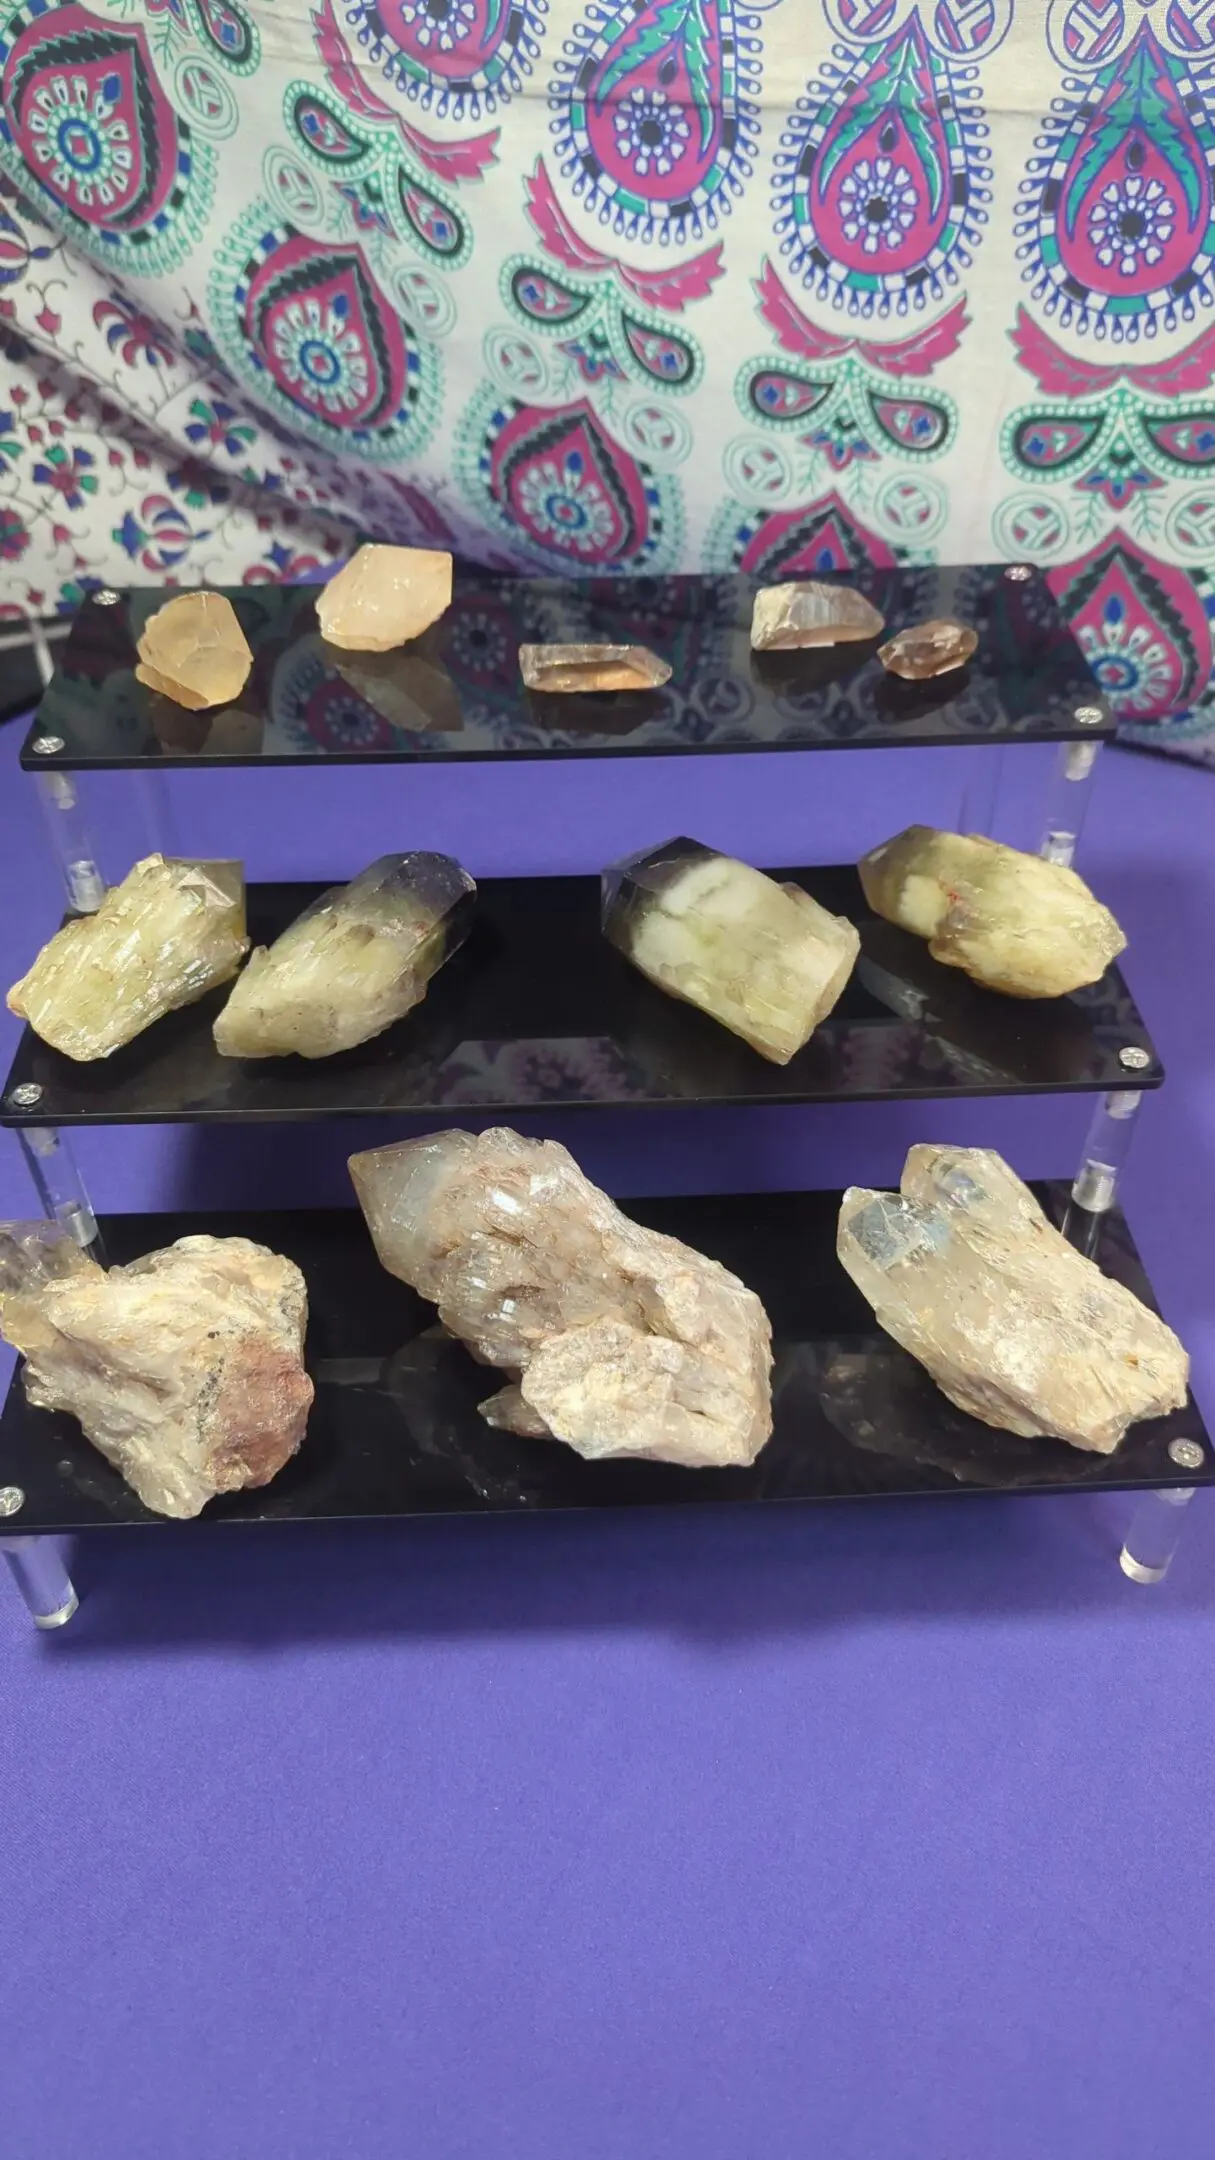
981	790
1155	1533
66	822
1095	1186
59	1186
39	1573
1068	797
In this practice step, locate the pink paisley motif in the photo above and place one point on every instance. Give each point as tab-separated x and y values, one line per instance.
1135	198
879	198
560	480
802	543
315	323
917	354
670	288
84	107
1062	375
466	160
1141	627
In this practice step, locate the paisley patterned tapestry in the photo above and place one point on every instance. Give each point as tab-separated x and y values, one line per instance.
634	285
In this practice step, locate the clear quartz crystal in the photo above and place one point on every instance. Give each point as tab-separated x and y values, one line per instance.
963	1269
764	959
169	933
809	613
564	668
384	596
185	1368
356	960
194	651
615	1339
1014	922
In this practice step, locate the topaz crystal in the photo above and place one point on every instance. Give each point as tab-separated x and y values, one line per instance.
615	1339
928	649
810	613
358	959
194	651
762	958
566	668
164	937
1015	1326
1014	922
383	596
185	1368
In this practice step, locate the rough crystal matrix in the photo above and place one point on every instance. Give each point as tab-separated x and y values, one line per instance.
564	668
963	1269
787	616
356	960
193	650
185	1368
384	596
164	937
764	959
1014	922
619	1341
927	650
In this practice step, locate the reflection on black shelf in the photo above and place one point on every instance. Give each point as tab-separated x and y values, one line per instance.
456	692
395	1428
538	1009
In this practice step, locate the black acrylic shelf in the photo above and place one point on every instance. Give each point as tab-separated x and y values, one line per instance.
395	1429
456	693
538	1010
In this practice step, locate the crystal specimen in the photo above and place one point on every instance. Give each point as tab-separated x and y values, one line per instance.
963	1269
357	959
164	937
764	959
927	650
184	1368
384	596
1014	922
193	650
592	667
618	1340
810	613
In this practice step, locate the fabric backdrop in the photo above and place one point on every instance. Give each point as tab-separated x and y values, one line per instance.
642	286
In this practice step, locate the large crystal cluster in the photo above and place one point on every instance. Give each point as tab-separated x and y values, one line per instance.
384	596
963	1269
354	962
1014	922
618	1340
194	651
764	959
185	1368
164	937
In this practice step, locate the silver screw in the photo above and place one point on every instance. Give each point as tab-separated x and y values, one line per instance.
12	1499
1089	715
1018	572
48	746
106	598
1187	1454
25	1096
1133	1059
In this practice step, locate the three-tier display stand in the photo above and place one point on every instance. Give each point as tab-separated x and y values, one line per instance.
537	1013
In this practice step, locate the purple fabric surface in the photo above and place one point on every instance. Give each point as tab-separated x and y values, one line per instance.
875	1830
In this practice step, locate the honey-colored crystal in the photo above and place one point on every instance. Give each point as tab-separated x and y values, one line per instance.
164	937
763	959
193	650
358	959
1015	1326
185	1369
615	1339
564	668
1015	922
384	596
928	649
810	613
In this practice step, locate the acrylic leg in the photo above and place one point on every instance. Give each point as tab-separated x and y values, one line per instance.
979	809
59	794
1155	1533
1067	800
42	1579
1106	1147
157	815
59	1186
